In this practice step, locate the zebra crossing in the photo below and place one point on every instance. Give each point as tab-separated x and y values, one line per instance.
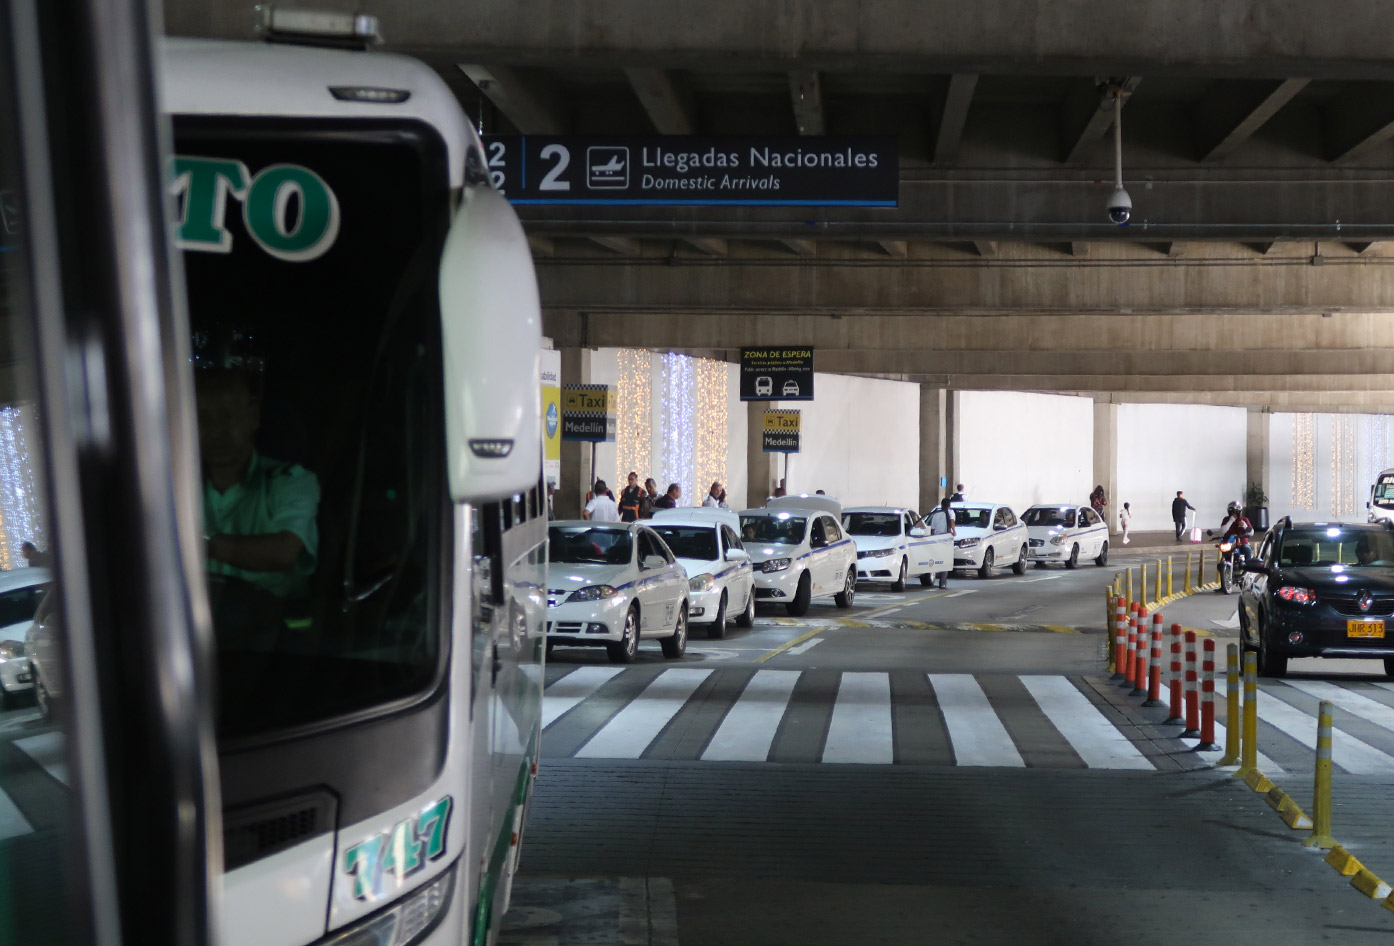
909	717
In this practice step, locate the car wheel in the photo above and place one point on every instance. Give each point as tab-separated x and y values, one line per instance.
849	590
1073	560
747	617
927	579
986	568
1019	566
1269	663
1102	560
717	630
626	648
899	583
7	699
45	701
676	645
799	606
1389	666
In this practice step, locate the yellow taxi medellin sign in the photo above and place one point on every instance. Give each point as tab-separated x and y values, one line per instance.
588	413
781	433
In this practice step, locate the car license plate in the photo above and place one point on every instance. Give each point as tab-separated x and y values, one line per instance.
1364	628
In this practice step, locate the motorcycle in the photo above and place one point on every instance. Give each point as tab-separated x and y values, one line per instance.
1225	567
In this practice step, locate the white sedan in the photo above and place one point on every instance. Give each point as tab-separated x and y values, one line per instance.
614	583
989	535
20	593
800	553
893	545
1064	533
720	579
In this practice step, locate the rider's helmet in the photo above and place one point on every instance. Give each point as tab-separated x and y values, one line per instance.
1233	509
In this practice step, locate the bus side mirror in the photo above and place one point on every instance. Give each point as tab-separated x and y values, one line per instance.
491	330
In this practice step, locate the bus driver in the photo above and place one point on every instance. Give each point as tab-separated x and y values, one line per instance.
258	513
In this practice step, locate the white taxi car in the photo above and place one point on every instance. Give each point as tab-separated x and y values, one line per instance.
1065	533
893	545
720	580
614	583
989	535
799	552
20	593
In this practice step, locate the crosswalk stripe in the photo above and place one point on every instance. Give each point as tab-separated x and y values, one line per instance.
638	724
860	730
1098	741
1353	703
12	820
572	689
1356	757
976	734
47	749
748	730
1265	765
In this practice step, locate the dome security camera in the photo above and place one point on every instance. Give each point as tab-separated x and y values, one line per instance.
1120	207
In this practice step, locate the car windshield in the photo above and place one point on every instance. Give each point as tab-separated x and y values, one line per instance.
1384	491
783	528
690	541
1049	516
588	545
973	518
18	606
885	524
1337	546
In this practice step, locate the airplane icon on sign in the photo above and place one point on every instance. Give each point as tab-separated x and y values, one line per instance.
610	167
607	167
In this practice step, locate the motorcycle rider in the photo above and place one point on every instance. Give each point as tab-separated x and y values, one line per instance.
1236	527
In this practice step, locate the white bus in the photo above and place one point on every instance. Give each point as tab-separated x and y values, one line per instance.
1381	504
365	615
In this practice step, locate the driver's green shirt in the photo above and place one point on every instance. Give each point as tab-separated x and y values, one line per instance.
273	497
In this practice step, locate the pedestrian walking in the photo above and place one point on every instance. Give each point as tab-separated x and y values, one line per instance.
941	522
957	497
1099	499
1178	513
602	506
1125	520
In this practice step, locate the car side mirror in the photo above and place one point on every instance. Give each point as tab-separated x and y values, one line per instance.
918	533
736	555
1256	568
654	561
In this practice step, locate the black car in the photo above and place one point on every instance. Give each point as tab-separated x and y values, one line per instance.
1319	589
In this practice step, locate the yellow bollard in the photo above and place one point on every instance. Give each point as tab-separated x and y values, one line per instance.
1129	594
1142	590
1186	582
1248	749
1159	581
1169	591
1232	724
1200	571
1321	784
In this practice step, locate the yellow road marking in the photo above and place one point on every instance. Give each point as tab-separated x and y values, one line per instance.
1060	629
787	644
901	604
986	627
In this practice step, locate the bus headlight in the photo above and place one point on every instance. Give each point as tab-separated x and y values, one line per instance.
404	922
593	593
701	583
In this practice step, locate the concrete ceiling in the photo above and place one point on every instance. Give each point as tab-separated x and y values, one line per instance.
1258	148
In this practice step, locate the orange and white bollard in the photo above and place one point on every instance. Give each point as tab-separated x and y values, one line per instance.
1174	679
1130	657
1154	681
1120	639
1207	697
1144	661
1192	691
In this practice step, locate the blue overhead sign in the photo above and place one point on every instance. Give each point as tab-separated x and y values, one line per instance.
693	171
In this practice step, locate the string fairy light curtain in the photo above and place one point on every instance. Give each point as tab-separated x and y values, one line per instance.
21	502
1304	461
634	417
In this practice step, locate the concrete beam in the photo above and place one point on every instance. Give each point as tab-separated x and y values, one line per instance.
953	114
667	101
624	246
1232	111
985	248
1363	249
1078	249
1210	389
1360	119
712	246
541	245
806	94
1087	114
527	98
807	248
896	249
1175	250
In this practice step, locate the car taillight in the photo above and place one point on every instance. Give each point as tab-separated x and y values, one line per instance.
1297	595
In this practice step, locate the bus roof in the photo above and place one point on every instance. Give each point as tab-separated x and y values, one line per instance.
218	77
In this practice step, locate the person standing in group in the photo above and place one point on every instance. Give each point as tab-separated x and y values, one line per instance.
941	521
957	497
1125	520
1099	499
630	498
713	497
669	500
602	507
1178	513
650	499
721	500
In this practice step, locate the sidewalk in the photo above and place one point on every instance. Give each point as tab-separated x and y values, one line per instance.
1155	542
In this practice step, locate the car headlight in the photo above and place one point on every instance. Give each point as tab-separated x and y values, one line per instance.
880	553
702	583
11	649
593	593
405	922
776	564
1059	539
1296	595
965	543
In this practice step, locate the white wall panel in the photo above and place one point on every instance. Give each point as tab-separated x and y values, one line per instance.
1166	447
1021	449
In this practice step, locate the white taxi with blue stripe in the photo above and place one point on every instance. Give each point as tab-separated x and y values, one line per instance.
800	552
20	593
893	546
1064	533
720	580
613	584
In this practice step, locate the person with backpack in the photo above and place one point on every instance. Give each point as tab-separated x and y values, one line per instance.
630	498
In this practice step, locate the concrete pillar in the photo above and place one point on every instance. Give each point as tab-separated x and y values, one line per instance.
761	474
953	443
576	472
934	448
1256	452
1106	458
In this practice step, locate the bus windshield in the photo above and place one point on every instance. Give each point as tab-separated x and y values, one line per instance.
1384	491
310	259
